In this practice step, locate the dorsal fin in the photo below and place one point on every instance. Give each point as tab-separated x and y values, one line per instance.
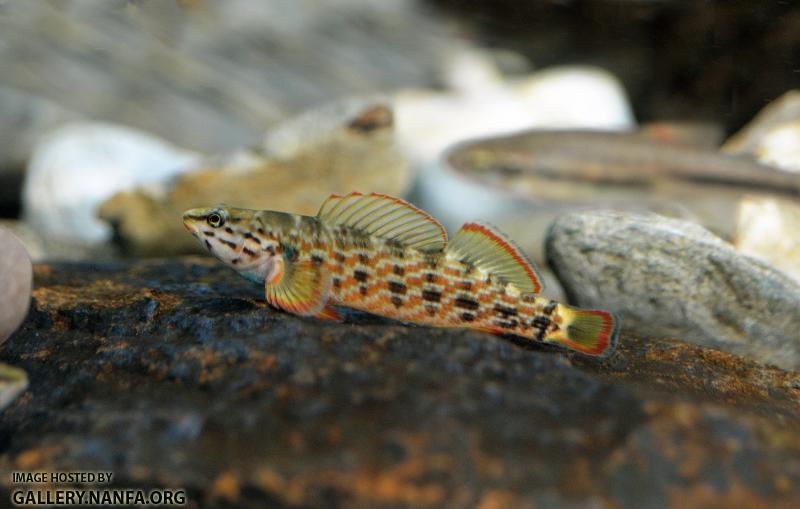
385	217
489	249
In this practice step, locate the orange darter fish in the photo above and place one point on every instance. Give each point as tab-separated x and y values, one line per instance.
382	255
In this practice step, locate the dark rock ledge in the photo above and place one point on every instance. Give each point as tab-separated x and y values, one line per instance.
175	373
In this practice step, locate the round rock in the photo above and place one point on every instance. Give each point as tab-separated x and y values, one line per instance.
671	278
16	275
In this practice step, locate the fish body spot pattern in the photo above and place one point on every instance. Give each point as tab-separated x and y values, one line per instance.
382	255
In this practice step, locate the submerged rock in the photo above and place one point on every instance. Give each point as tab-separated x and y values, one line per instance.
767	228
175	373
339	148
13	382
783	110
666	277
211	76
481	101
79	165
773	136
24	117
16	279
31	240
781	146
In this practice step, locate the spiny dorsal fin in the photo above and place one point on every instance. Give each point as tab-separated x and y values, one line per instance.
385	217
490	250
301	288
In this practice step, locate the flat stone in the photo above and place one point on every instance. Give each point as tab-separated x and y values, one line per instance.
338	148
666	277
174	373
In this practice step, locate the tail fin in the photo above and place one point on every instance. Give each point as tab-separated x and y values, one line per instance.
591	332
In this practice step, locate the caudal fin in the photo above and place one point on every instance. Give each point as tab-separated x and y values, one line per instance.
591	332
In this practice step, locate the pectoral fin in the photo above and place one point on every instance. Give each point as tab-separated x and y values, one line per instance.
328	313
301	288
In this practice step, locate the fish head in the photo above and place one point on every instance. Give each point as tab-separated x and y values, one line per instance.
486	162
237	238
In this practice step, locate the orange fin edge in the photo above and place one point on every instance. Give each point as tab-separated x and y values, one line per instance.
591	332
508	247
328	313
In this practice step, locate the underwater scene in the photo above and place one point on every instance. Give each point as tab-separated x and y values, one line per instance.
400	254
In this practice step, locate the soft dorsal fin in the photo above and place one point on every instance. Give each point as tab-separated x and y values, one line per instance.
300	288
385	217
489	249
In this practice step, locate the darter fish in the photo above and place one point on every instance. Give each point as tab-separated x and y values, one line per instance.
382	255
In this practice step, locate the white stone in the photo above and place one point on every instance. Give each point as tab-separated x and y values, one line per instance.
482	103
780	146
78	166
767	228
783	110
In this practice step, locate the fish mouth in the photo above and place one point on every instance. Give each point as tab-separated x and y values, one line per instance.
191	218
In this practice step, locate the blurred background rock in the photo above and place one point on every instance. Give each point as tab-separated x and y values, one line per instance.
210	78
715	61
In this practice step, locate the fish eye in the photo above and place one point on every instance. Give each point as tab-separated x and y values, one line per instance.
215	220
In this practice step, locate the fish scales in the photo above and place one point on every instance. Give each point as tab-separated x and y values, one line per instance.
381	255
408	287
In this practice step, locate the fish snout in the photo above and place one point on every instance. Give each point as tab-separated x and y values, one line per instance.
191	219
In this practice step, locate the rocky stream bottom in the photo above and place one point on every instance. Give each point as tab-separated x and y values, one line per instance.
175	373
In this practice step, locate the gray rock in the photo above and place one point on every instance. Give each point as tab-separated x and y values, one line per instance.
24	118
666	277
211	76
16	275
